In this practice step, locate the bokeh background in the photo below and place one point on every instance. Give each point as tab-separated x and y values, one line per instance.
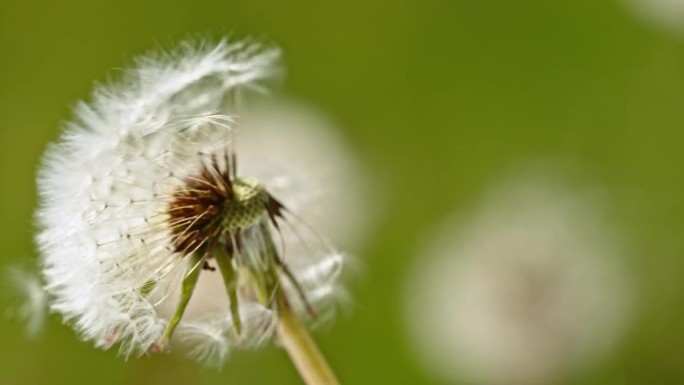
439	99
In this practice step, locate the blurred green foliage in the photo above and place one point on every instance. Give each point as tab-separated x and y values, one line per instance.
439	97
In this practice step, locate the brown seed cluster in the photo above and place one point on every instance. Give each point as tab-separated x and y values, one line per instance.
216	202
196	209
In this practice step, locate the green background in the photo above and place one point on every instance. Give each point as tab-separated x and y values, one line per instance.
437	97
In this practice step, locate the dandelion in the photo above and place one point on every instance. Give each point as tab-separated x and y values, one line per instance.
151	235
667	15
526	291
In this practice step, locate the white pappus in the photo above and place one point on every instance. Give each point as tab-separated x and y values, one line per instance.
148	231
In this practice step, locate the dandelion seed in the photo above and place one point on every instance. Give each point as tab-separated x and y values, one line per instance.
31	306
145	211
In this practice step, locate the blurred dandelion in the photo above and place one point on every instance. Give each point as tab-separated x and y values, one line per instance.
666	14
150	232
528	289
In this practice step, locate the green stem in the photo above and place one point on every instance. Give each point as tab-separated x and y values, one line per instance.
189	283
229	275
303	351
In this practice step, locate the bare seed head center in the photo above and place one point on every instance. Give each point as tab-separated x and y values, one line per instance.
246	207
213	203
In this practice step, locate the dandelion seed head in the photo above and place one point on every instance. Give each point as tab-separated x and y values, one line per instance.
144	192
526	289
667	15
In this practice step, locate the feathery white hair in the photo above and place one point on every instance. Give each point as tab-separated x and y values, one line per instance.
106	235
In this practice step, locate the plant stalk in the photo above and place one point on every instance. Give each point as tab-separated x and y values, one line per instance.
302	349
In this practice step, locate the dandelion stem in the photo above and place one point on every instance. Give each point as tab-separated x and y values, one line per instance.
302	349
189	283
223	259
